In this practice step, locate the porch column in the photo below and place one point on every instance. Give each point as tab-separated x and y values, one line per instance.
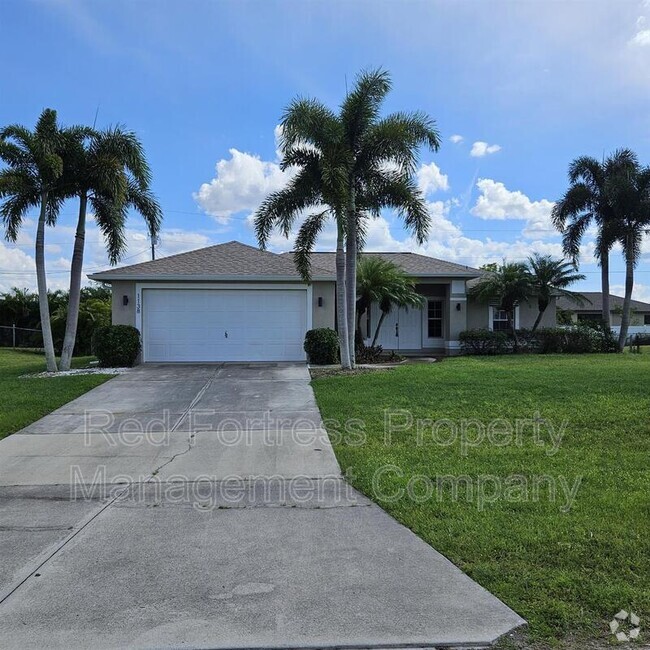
457	307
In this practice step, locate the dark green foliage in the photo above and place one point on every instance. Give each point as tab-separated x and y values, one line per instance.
483	341
576	339
322	346
20	307
116	346
369	354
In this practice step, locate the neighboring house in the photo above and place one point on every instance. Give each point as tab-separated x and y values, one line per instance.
592	309
233	302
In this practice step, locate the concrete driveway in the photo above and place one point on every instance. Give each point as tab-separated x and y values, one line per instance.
203	507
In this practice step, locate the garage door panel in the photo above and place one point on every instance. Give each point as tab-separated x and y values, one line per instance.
224	324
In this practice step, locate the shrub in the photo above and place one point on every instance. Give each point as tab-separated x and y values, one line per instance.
576	339
369	354
116	345
322	346
551	339
482	341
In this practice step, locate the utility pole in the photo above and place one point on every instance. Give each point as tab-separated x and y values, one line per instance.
154	241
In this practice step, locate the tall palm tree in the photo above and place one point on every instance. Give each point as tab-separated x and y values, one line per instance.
586	203
107	170
356	164
382	156
629	189
386	284
34	165
310	144
506	286
551	277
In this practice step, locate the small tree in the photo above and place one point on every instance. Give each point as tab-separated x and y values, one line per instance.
506	285
551	277
382	282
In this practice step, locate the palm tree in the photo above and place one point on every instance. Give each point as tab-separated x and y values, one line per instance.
382	156
586	203
108	171
310	143
34	165
629	189
386	284
354	164
551	277
506	286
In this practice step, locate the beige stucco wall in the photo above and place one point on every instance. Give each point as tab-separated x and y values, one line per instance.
324	316
123	314
478	315
321	316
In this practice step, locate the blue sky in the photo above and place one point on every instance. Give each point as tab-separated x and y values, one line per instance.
526	85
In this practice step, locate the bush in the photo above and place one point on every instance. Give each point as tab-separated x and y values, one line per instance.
576	339
116	346
369	354
482	342
322	346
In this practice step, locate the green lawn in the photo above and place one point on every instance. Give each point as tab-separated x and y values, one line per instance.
25	400
566	570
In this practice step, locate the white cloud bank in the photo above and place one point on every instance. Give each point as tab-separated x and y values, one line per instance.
240	183
456	138
481	149
497	202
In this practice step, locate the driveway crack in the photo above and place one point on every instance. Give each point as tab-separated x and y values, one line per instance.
185	413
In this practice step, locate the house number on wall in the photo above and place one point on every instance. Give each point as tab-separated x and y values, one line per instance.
137	303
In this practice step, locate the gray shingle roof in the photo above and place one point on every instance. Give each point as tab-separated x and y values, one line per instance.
235	259
232	259
595	303
412	263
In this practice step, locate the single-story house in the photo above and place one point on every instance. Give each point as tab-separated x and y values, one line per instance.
592	309
234	302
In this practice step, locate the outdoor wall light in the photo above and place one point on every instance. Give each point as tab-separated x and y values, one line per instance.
125	300
458	307
320	301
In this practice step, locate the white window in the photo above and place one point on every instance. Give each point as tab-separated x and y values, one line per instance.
499	319
435	319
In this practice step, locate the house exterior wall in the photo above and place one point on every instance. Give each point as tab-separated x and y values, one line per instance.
123	314
478	315
636	318
325	315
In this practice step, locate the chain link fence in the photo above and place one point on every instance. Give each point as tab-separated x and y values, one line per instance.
20	337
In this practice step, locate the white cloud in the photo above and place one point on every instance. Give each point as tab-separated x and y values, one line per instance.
641	38
480	149
497	202
456	139
431	179
640	291
240	183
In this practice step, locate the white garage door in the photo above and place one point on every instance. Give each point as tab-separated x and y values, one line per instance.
224	324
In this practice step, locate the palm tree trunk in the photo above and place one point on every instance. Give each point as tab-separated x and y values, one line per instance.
341	311
604	275
513	328
540	313
541	305
376	336
627	301
75	286
351	271
41	280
